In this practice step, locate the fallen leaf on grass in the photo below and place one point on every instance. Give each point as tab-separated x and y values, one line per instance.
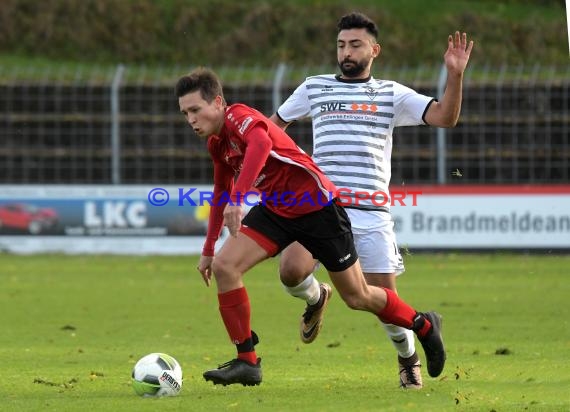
66	385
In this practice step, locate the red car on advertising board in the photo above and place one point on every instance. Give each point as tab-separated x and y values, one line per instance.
27	217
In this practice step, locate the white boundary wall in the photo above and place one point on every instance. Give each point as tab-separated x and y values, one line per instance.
121	219
486	217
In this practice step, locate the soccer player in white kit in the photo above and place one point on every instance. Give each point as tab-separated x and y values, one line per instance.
353	117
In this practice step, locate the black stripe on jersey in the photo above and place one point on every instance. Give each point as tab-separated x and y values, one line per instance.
330	174
340	132
344	143
323	164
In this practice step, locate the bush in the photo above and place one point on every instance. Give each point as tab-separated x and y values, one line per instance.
218	32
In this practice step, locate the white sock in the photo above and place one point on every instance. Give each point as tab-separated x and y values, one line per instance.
309	290
402	339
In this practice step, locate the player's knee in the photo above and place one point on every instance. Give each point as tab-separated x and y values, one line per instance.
222	268
291	273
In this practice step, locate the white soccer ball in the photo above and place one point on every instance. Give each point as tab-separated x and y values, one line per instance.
157	374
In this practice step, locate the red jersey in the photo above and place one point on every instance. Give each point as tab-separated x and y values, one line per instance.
267	161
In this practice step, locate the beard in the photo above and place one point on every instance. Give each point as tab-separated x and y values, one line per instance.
355	69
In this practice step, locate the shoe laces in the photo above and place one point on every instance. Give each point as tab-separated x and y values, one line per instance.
227	364
311	309
410	374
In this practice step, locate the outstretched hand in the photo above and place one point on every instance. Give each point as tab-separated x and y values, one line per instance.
457	54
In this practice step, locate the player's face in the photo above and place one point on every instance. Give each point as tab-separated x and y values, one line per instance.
355	51
205	118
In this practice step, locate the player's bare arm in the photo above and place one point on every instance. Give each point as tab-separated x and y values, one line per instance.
445	113
277	120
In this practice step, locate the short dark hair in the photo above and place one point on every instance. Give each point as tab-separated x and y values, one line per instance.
357	20
203	79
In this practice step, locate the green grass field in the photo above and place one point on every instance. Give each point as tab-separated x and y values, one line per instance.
73	327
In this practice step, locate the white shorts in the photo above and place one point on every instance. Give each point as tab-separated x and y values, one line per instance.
378	250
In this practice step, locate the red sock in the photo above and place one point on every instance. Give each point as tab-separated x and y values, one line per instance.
396	311
235	311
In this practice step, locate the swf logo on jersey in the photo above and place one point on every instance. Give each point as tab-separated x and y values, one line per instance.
344	107
344	196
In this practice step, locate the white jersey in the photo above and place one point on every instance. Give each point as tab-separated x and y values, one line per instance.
353	122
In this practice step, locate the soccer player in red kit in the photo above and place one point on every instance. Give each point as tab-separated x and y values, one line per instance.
295	205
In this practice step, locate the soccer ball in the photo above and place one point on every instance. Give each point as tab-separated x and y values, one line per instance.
157	374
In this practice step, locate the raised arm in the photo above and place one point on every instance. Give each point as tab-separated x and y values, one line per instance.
445	112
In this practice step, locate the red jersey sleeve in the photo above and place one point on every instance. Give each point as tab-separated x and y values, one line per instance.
258	145
223	183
